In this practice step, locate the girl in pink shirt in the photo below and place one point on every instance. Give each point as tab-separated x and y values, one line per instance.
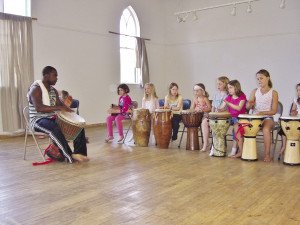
118	113
236	105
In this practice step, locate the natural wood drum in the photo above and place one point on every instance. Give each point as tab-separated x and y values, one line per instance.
141	126
162	127
192	121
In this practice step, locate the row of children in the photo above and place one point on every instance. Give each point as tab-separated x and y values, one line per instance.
229	97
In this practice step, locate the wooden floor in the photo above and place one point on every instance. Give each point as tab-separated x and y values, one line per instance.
123	184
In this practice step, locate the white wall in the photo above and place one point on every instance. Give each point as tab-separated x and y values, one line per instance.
237	46
73	37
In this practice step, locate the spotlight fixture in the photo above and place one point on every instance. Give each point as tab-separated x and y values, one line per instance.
179	19
249	8
185	17
233	11
195	16
282	4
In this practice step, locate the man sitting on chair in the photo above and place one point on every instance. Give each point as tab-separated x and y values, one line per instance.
43	102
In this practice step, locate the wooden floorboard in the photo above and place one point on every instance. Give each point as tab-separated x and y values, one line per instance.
124	184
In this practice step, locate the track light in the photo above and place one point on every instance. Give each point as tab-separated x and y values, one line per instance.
249	8
182	16
282	4
233	11
179	19
185	17
195	17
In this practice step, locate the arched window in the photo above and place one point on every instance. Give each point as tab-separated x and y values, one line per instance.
17	7
129	25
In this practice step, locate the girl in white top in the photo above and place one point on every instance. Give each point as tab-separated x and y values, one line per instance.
295	111
264	101
174	102
296	103
150	99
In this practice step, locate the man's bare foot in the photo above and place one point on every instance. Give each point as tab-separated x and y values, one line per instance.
80	158
203	150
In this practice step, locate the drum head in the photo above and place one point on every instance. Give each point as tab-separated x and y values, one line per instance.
141	110
219	115
290	118
162	110
251	116
71	117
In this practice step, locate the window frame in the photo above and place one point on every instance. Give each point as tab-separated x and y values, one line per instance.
129	35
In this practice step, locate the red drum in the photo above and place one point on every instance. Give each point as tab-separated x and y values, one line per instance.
162	127
70	124
251	124
219	123
192	120
141	126
291	128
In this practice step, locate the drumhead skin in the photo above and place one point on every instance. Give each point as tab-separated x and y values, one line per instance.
219	115
290	118
141	109
251	116
162	110
71	117
189	112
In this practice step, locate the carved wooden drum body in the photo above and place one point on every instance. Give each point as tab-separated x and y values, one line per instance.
141	126
162	127
192	121
70	124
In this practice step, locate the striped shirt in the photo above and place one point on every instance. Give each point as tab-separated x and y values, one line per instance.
34	115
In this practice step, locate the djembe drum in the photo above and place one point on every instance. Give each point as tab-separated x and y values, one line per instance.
219	123
141	126
291	128
192	121
70	124
162	127
251	124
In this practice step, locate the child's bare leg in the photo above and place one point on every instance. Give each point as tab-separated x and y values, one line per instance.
267	127
205	133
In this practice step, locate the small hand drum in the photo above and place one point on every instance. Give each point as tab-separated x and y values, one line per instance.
70	124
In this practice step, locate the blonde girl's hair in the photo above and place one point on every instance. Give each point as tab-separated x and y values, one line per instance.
202	86
237	87
266	74
152	94
170	87
225	80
